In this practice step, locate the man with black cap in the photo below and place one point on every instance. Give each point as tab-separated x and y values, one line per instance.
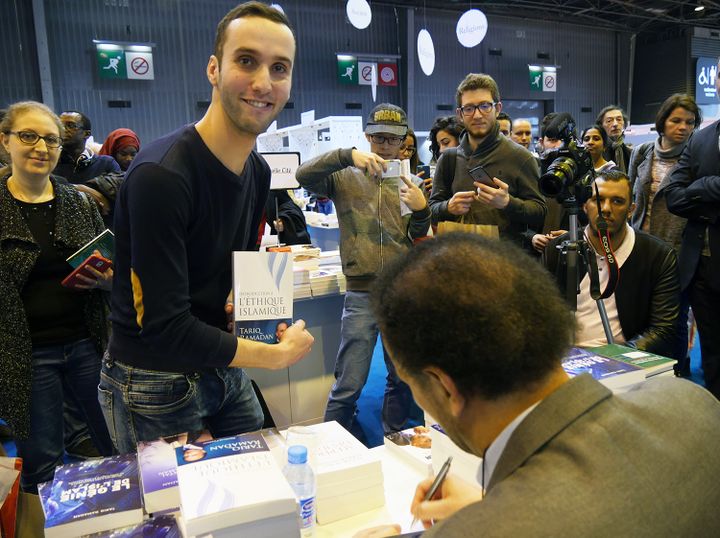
379	218
488	179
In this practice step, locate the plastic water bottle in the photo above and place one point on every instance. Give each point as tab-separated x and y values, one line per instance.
302	480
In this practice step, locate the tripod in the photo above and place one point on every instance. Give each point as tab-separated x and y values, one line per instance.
573	249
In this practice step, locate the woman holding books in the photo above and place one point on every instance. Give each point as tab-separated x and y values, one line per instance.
51	336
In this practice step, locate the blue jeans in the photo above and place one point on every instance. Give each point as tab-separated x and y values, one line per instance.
143	405
75	366
359	332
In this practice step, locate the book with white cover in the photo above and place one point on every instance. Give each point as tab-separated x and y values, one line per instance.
465	466
93	496
413	446
341	458
348	504
158	470
274	527
263	294
229	482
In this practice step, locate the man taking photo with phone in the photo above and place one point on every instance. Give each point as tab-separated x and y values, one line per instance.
379	217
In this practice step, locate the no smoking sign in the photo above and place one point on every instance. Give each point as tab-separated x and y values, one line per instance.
140	65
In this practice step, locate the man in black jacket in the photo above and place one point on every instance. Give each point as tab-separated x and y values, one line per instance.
694	193
644	307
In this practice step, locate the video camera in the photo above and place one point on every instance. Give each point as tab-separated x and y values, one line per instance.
567	171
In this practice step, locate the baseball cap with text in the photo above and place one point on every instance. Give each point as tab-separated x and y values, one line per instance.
387	118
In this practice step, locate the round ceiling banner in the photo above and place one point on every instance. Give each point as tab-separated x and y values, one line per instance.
359	13
471	28
426	52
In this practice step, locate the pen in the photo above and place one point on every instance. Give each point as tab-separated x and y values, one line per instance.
439	479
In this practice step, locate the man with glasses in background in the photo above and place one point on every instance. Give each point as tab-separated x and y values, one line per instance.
488	179
379	218
78	163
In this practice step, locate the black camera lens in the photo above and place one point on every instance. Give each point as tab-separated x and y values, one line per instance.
561	172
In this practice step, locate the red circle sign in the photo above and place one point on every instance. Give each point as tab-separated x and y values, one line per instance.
139	66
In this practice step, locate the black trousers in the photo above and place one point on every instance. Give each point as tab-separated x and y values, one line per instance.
705	302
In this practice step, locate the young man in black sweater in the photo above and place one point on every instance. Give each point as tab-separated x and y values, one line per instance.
189	200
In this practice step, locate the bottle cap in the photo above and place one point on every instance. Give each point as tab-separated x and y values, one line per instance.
297	454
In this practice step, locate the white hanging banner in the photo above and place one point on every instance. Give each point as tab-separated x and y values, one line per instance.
471	28
359	13
374	83
426	52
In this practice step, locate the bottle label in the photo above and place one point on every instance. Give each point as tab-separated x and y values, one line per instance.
307	512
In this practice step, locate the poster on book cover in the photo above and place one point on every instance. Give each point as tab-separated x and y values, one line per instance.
263	295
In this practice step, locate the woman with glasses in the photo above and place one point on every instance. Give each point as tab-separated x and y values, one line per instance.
408	150
52	337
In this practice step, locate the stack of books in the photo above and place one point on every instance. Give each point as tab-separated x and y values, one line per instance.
349	477
92	496
301	283
616	375
158	471
651	363
413	446
329	280
234	487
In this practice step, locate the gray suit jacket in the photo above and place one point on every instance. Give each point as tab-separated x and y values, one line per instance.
589	463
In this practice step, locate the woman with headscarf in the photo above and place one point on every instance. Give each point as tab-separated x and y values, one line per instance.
122	145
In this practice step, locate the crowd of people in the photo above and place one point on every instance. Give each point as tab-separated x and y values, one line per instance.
142	350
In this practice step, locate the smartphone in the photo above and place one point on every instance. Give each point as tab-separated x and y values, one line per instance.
425	169
479	174
393	168
97	261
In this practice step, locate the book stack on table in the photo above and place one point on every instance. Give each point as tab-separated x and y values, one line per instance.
234	487
618	376
328	280
651	363
92	496
413	446
349	477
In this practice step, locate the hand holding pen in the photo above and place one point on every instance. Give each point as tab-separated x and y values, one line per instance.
441	497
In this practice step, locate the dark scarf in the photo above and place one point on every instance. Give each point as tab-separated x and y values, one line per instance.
618	154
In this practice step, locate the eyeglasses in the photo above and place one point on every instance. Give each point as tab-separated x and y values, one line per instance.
409	149
469	110
72	126
31	138
392	140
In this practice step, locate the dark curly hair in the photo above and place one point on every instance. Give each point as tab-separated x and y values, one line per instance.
449	124
497	322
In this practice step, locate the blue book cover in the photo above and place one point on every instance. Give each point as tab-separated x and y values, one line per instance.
579	361
156	527
263	295
94	496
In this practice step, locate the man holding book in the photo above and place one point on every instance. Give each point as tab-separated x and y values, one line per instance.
189	200
561	457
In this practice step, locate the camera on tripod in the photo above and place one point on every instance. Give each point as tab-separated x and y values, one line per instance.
567	171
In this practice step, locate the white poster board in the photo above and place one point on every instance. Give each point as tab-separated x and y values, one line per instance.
283	166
